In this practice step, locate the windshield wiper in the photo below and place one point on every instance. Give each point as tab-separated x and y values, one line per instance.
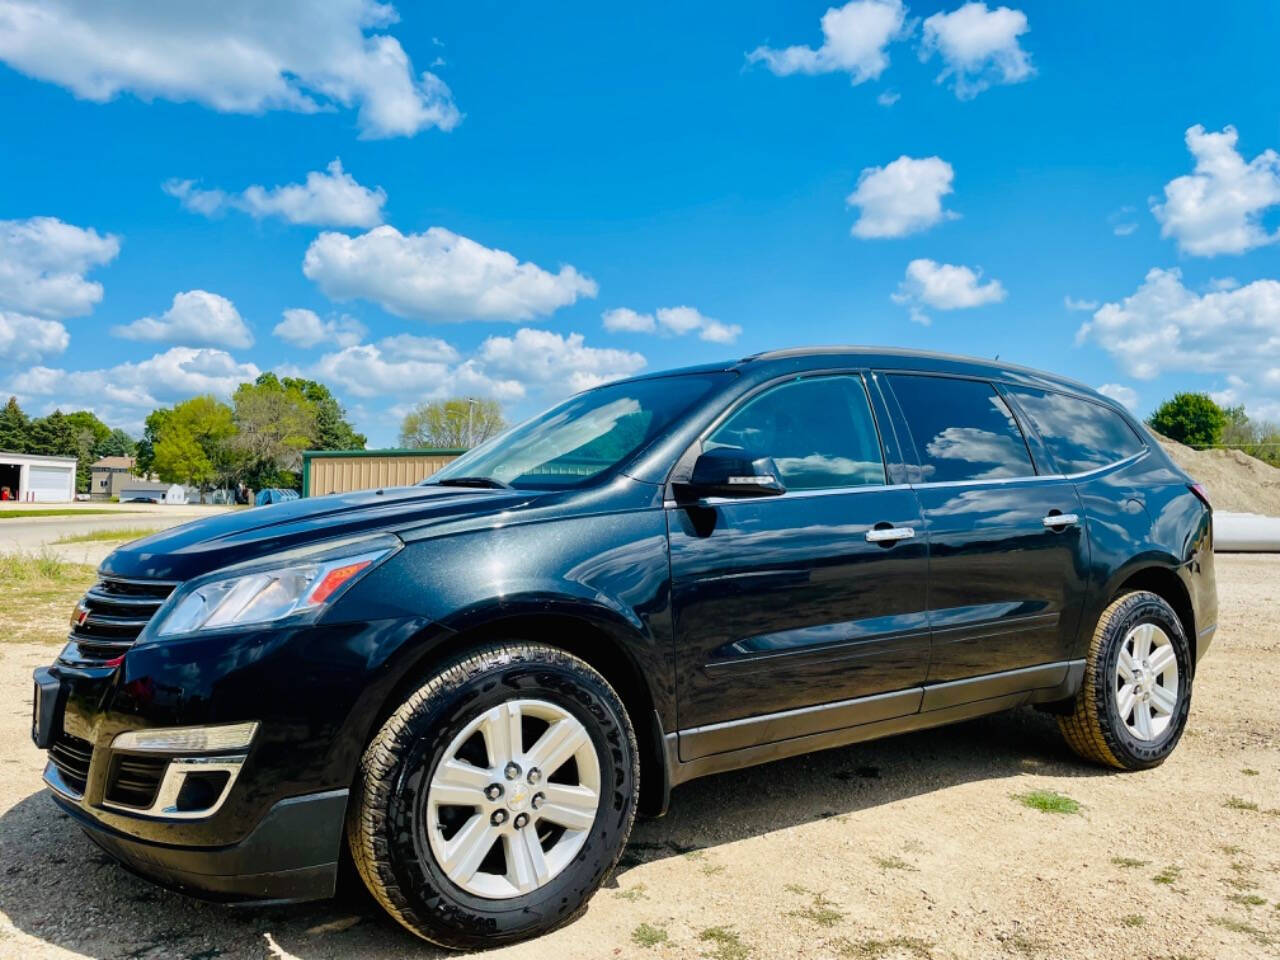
489	482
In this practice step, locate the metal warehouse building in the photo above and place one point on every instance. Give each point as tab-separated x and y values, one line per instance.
35	479
337	471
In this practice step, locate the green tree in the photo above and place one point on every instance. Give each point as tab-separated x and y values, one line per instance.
456	423
333	431
118	444
193	442
91	436
146	449
15	427
1190	418
53	436
274	423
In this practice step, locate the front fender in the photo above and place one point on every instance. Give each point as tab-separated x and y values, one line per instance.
608	572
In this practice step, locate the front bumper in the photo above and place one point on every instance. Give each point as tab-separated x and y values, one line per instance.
276	833
290	856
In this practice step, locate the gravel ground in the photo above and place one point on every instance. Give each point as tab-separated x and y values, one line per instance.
914	847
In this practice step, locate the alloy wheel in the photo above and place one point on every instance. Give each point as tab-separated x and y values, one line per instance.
513	798
1146	681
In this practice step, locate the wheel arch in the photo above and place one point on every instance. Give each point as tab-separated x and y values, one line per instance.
578	634
1165	583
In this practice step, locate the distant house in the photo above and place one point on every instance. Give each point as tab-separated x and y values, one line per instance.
111	474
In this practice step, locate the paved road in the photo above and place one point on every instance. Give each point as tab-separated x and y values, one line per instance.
30	534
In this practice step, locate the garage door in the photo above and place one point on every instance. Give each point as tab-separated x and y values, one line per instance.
49	484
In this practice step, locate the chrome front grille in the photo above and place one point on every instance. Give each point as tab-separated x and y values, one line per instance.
110	617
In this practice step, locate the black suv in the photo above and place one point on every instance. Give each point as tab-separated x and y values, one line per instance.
475	683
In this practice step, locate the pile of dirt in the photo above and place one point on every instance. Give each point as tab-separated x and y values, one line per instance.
1236	482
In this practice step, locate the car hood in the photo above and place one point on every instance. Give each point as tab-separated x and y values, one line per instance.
211	543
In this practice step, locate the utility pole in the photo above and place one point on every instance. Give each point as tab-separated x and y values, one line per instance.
471	431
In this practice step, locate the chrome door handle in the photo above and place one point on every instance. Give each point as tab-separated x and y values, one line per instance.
890	533
1061	520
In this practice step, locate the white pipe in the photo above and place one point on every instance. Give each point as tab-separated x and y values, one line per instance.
1245	533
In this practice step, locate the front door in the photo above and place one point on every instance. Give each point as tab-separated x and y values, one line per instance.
815	597
1008	559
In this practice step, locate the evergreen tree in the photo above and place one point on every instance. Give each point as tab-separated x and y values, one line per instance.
15	428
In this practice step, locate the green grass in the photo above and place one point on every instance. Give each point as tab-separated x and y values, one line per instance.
1237	803
107	536
822	912
647	935
1260	937
876	949
1168	875
633	894
1247	899
1249	772
893	863
1129	862
1049	801
1133	920
725	944
21	512
42	589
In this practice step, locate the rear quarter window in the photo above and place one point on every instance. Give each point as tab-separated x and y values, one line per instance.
1079	434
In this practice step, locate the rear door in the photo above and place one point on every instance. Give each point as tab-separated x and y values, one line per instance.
1008	553
814	597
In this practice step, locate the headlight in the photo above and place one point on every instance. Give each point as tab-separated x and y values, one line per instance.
270	593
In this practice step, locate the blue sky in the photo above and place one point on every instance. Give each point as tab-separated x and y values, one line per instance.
558	164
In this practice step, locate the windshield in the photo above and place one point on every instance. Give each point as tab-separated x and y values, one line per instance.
583	438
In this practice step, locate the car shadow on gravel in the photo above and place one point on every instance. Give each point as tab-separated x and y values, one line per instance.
58	887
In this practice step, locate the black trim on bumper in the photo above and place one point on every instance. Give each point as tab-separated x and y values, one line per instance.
292	855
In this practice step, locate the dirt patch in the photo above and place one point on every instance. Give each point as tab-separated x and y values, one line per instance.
1235	481
919	846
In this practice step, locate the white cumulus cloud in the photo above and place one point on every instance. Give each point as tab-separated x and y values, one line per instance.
855	40
124	394
235	56
438	275
1164	326
944	286
626	320
43	263
978	46
1218	208
196	318
329	199
671	321
546	359
304	328
902	197
25	338
531	362
1126	396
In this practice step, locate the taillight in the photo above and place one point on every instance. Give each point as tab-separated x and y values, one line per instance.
1201	494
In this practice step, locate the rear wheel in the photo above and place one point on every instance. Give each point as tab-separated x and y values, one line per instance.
495	801
1133	705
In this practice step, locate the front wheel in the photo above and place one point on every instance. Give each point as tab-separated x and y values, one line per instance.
495	801
1133	705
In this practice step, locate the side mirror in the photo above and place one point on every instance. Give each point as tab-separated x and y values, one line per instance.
733	472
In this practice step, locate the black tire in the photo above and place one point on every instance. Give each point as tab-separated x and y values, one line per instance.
1094	729
385	819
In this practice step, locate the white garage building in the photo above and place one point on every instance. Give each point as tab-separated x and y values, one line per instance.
35	479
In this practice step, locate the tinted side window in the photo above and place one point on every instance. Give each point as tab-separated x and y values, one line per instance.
1079	435
963	429
819	432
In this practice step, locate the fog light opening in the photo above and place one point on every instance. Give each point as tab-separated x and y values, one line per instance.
200	791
